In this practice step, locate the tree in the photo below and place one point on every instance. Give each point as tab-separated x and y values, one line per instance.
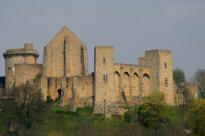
153	112
195	118
199	78
28	107
179	76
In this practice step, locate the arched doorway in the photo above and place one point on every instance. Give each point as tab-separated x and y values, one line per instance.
135	85
126	83
146	85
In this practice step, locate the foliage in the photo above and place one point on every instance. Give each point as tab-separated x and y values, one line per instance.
153	112
196	117
38	76
179	76
34	118
131	114
57	120
199	78
28	105
49	100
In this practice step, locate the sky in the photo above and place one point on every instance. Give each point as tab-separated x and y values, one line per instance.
131	26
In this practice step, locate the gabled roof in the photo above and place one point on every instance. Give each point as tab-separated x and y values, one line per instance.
66	32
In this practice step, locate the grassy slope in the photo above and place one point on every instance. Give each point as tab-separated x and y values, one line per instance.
58	121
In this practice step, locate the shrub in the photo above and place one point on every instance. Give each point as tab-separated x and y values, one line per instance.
153	113
131	114
49	100
195	118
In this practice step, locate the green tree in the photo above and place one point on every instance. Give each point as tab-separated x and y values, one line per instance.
195	117
179	76
153	113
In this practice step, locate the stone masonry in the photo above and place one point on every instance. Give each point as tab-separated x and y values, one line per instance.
64	75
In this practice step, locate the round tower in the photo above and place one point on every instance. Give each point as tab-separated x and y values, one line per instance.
26	55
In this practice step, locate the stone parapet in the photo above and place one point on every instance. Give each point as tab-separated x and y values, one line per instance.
27	51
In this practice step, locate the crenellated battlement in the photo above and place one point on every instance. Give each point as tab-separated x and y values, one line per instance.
28	50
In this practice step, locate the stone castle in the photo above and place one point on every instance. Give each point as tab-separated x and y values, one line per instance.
64	75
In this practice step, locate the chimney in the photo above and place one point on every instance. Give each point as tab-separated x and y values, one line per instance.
141	61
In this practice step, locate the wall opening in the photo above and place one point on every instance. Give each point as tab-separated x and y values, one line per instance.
105	78
165	65
59	93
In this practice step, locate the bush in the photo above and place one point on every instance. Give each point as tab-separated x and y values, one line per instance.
153	113
49	100
195	118
131	114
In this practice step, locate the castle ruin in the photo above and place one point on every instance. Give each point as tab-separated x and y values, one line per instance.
64	74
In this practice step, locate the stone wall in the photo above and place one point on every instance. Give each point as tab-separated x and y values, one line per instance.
25	72
160	62
185	92
134	80
104	79
26	55
64	75
65	55
166	75
76	91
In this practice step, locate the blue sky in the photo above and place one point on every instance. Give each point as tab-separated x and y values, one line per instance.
131	26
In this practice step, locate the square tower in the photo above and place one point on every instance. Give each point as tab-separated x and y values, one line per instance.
160	62
105	96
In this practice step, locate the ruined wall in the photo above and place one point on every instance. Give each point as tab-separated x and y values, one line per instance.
82	92
185	92
25	72
130	79
76	91
65	55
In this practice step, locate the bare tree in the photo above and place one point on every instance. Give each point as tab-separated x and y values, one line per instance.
28	107
26	94
199	78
